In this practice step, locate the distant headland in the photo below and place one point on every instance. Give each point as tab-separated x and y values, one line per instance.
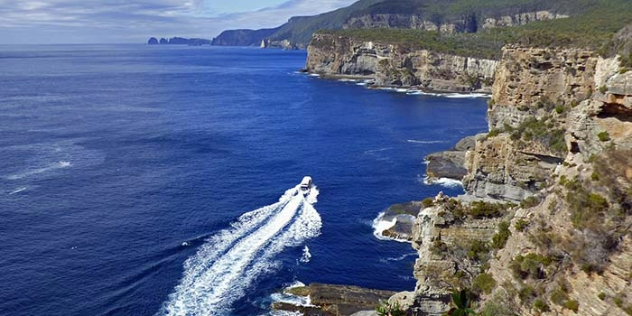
179	41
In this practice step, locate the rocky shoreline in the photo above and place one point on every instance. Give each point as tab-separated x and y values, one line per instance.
523	238
397	67
334	300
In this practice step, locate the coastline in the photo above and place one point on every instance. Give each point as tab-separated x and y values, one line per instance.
369	82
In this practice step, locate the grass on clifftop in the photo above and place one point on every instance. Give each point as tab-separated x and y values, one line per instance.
593	30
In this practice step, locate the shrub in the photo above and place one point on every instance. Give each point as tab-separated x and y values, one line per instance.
526	294
529	202
618	301
388	309
478	250
427	202
572	305
494	132
480	209
498	306
603	89
540	305
559	109
500	238
521	225
558	297
484	282
589	268
602	296
586	208
438	247
604	136
530	265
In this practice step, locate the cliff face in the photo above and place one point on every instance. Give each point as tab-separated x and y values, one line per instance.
561	145
470	23
392	65
531	80
243	37
533	91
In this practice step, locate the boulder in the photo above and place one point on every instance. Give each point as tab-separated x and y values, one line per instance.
330	299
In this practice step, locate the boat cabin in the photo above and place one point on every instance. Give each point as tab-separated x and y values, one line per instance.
306	184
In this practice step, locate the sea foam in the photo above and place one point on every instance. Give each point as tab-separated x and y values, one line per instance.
231	260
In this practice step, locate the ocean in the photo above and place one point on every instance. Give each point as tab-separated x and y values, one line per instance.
159	180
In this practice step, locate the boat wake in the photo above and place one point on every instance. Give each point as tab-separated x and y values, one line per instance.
232	259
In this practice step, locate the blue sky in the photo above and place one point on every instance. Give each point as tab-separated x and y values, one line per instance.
128	21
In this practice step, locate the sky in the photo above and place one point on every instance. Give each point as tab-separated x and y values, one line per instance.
134	21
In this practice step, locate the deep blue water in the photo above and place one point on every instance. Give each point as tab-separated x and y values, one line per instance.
119	163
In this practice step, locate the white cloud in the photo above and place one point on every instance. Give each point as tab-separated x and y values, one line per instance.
61	21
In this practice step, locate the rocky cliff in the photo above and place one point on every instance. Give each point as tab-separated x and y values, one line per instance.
243	37
469	23
394	65
560	149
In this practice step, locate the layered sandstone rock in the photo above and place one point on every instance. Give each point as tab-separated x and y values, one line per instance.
583	268
392	65
468	23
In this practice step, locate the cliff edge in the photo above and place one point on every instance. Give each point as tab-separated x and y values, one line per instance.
545	225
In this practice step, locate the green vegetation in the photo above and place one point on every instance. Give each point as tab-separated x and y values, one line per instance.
527	293
439	248
478	250
477	210
480	209
498	306
541	305
494	132
604	136
530	202
572	305
542	131
484	283
388	309
531	265
559	297
593	24
521	225
500	239
587	208
461	304
602	296
427	202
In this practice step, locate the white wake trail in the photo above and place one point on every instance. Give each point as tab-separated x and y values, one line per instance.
225	266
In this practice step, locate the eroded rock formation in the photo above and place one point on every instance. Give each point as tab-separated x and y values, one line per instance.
392	65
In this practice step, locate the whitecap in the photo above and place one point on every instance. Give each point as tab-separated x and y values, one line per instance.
34	171
414	141
380	225
306	256
445	182
400	258
450	95
18	190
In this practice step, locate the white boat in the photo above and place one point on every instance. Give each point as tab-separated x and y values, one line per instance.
306	185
